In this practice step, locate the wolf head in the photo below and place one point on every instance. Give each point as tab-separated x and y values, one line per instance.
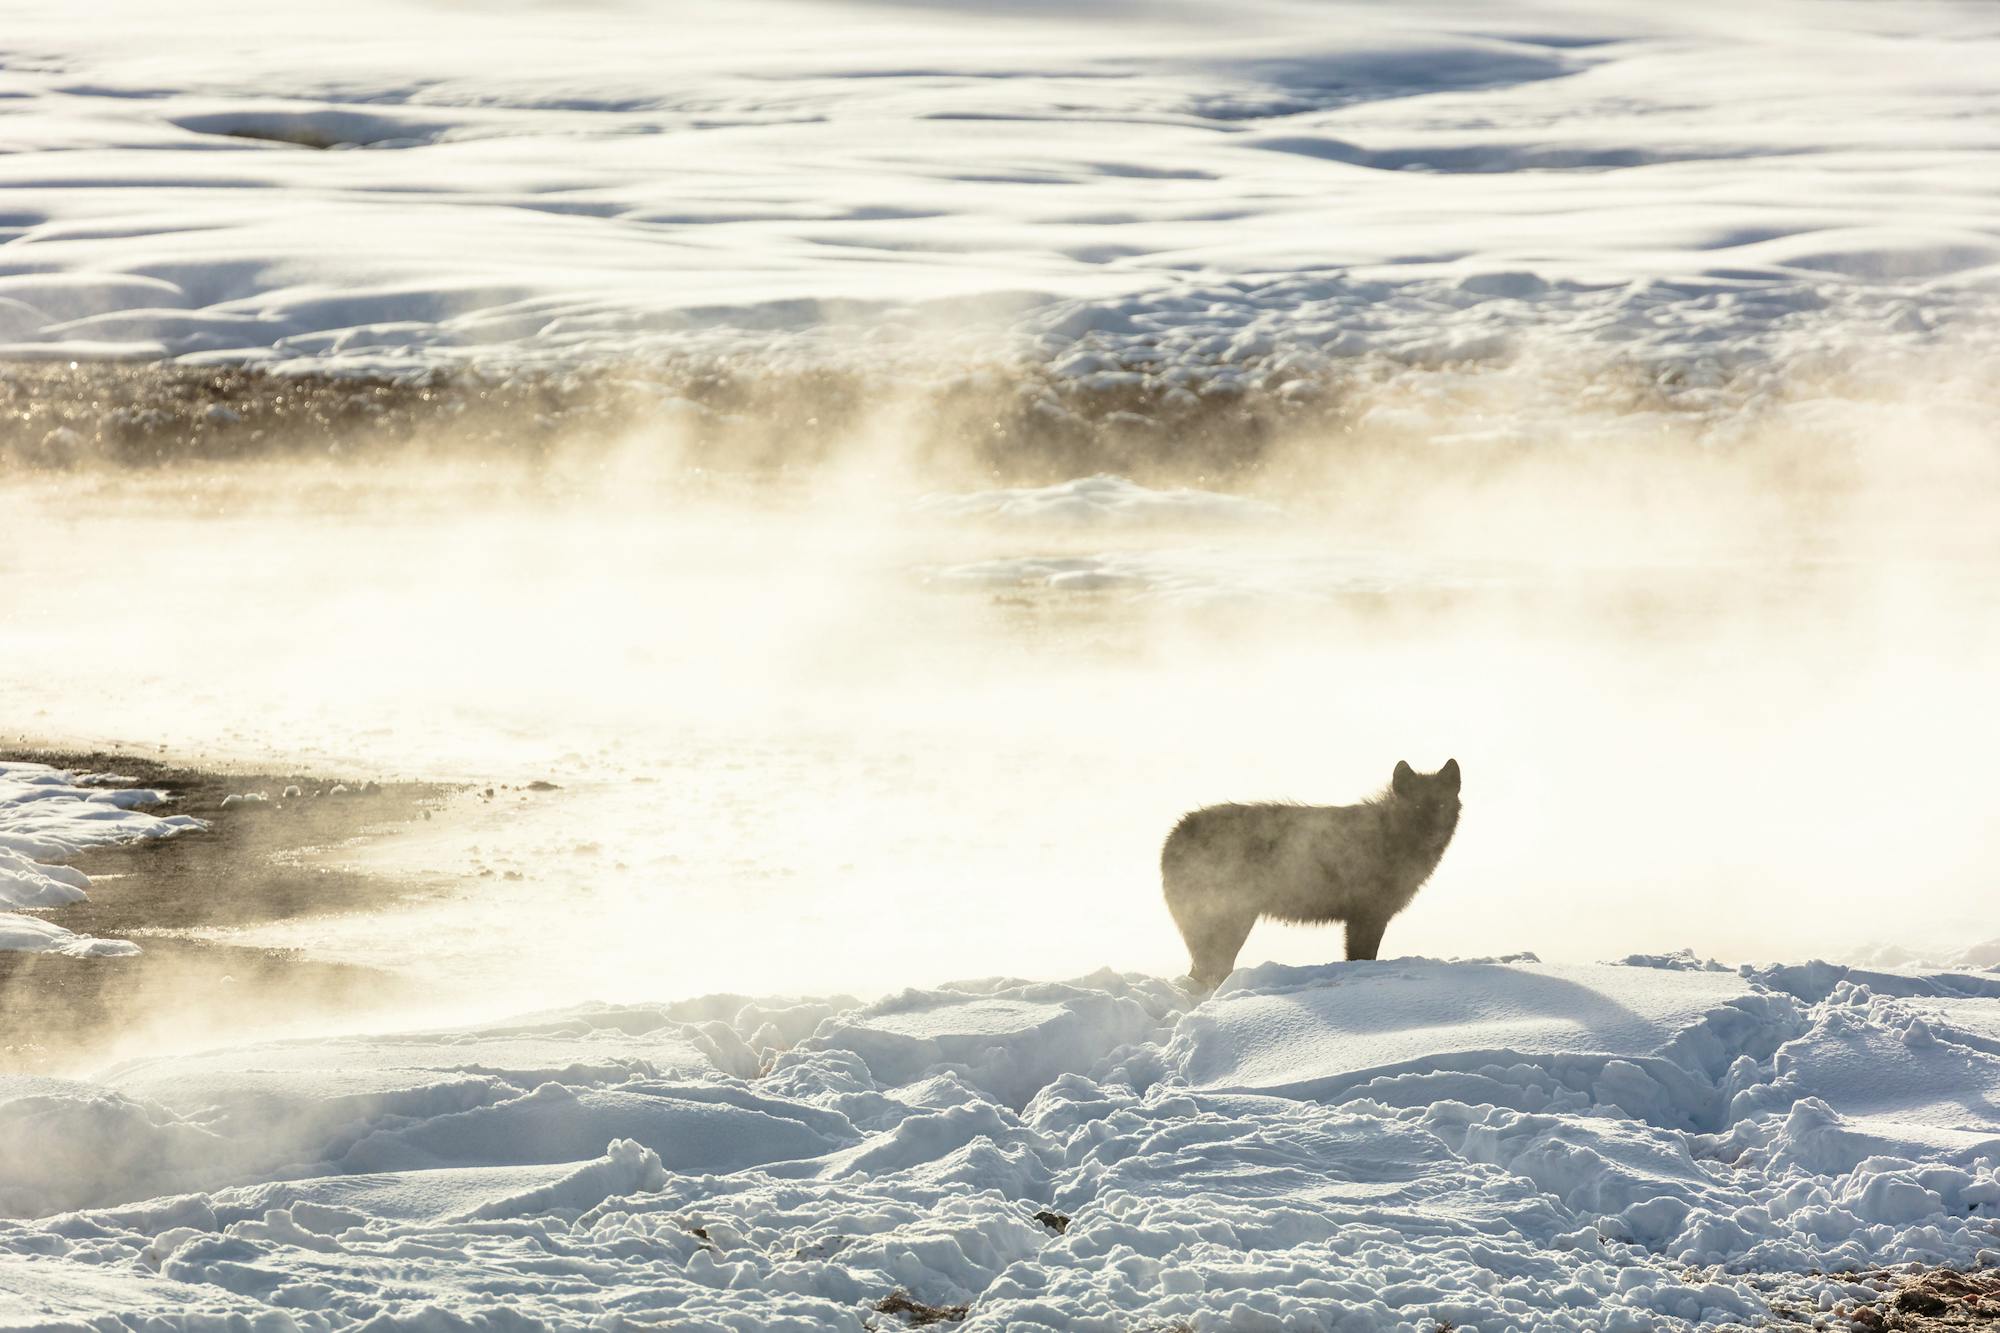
1431	793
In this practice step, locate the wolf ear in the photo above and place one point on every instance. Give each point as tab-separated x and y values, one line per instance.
1404	780
1449	773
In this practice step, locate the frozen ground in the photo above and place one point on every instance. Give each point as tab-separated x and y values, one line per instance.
1401	1145
1125	189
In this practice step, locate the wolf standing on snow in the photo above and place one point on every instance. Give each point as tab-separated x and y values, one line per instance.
1224	866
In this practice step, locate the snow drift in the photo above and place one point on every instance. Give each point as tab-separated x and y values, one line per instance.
1489	1144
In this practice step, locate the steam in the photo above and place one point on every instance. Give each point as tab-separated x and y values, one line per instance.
1717	676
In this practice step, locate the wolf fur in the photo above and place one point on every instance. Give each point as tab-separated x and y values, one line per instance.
1226	866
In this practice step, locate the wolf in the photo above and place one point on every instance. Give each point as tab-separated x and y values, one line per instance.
1225	866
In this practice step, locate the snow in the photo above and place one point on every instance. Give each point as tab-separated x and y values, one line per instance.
26	883
388	188
1656	1144
25	934
1132	201
1288	1031
48	815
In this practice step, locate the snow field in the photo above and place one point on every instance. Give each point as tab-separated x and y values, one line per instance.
1491	1144
1121	191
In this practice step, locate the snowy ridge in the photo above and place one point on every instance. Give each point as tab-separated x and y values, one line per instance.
1497	1144
48	815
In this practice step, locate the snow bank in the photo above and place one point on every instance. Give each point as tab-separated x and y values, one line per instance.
1493	1144
48	815
26	934
26	883
1519	1033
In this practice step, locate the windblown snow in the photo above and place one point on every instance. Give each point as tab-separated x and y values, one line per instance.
47	816
1495	1144
1127	190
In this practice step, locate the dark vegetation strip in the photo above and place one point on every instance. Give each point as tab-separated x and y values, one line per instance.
1012	423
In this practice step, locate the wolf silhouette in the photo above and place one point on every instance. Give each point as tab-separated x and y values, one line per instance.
1226	866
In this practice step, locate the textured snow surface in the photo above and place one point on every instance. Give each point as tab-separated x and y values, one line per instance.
48	815
1129	190
1489	1144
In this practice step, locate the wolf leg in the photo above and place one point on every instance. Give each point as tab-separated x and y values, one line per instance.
1364	936
1213	944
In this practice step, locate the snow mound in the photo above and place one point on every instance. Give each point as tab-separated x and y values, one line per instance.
1656	1144
1531	1035
26	883
1007	1040
48	815
26	934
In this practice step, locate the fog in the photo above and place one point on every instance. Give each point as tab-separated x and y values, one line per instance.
1716	685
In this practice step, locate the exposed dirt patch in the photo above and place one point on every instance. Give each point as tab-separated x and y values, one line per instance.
1942	1299
918	1314
1906	1301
